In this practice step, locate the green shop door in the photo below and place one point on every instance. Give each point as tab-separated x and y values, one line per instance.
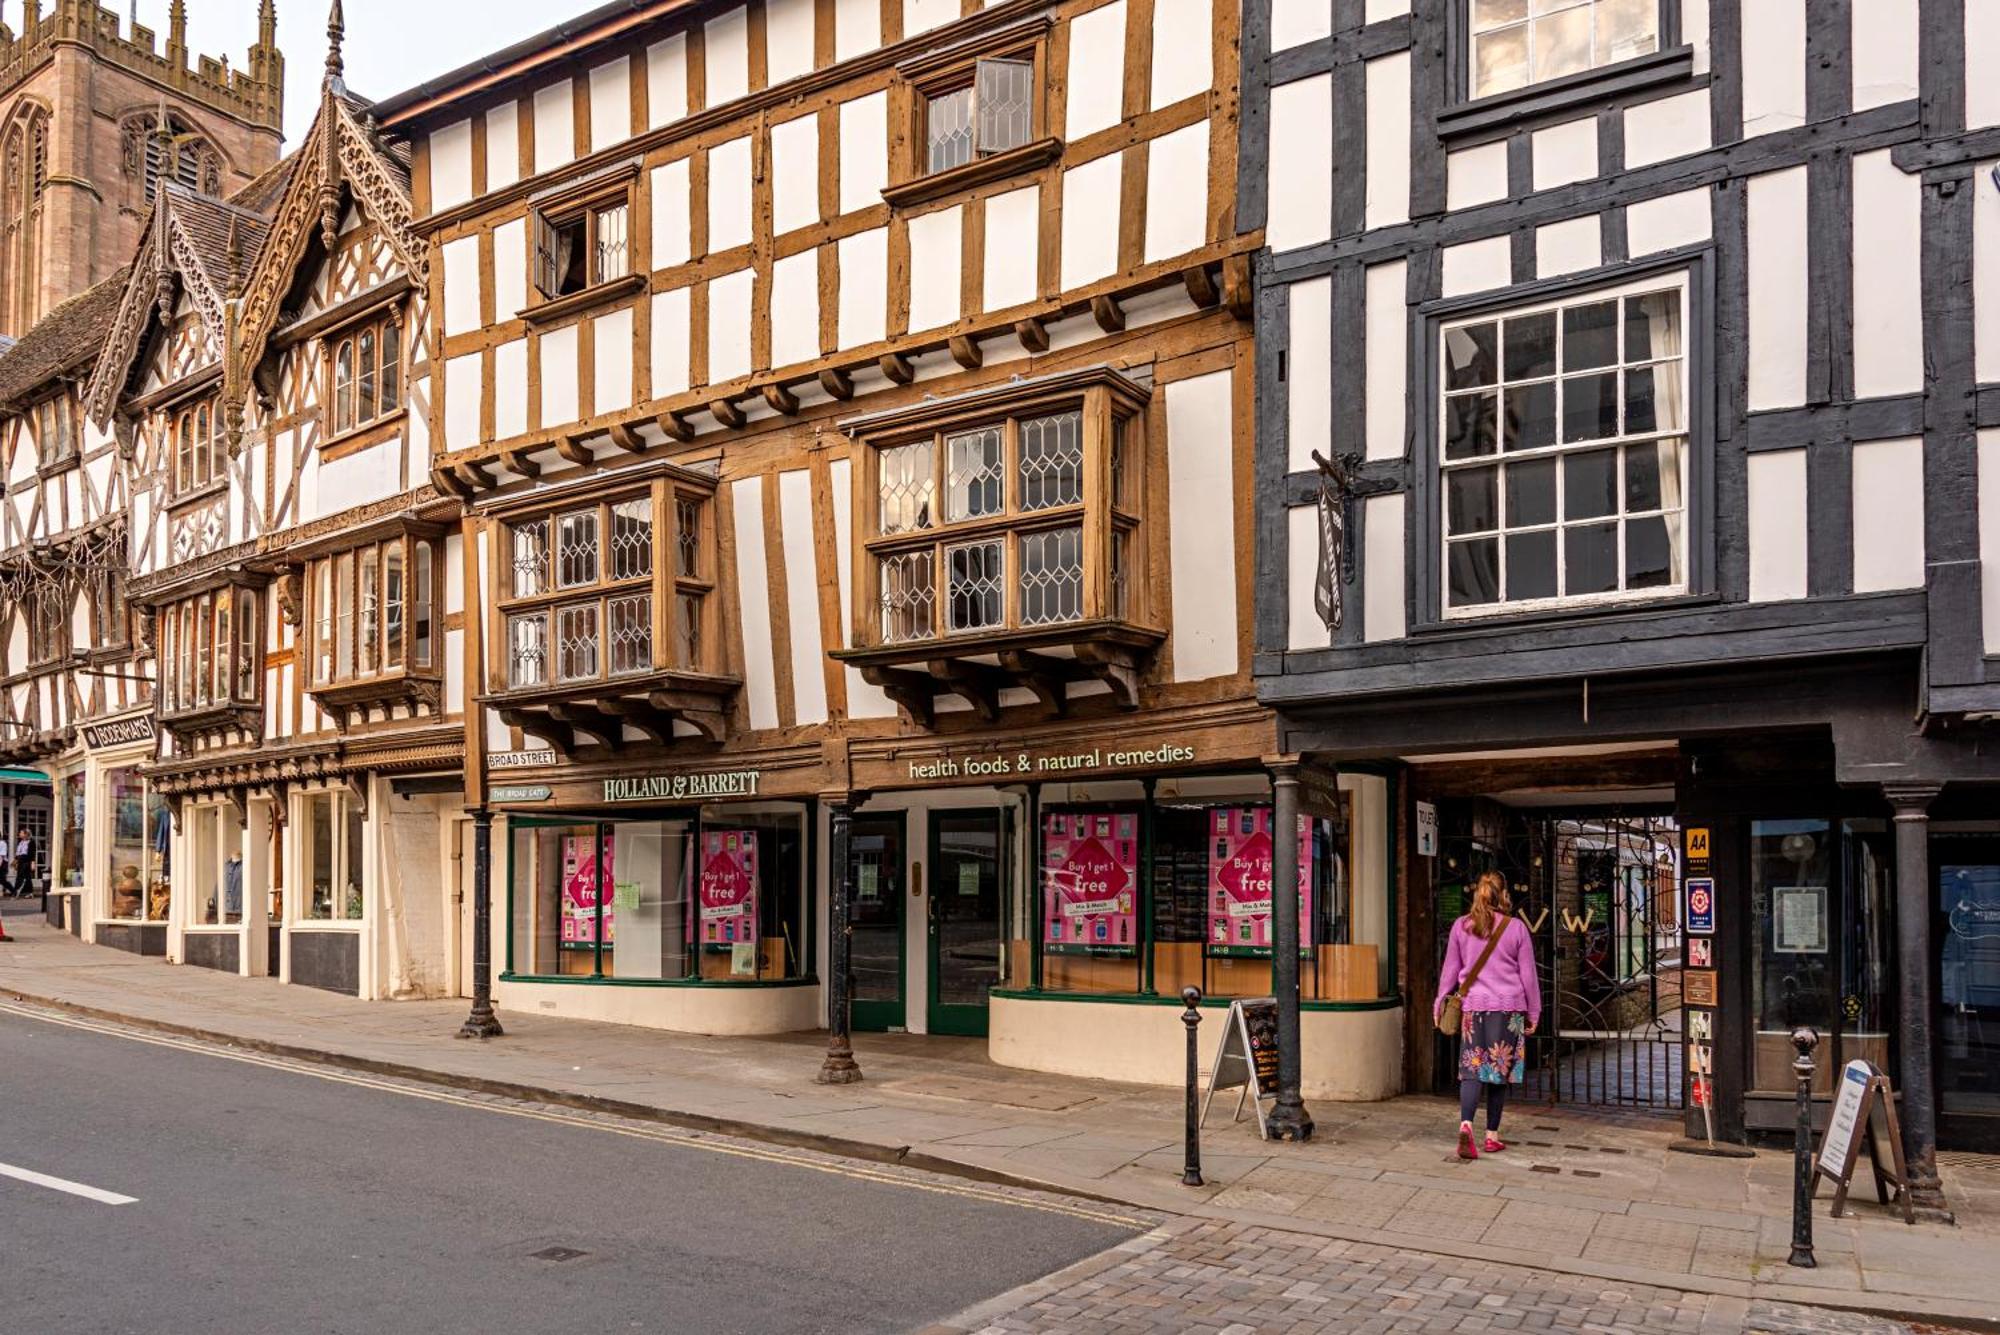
964	918
876	868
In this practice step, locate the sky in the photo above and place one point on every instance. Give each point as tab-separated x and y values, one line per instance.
391	44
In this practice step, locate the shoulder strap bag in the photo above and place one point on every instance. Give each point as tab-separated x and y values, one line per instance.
1452	1016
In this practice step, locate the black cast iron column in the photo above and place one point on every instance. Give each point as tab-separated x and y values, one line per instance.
482	1023
839	1067
1289	1120
1913	992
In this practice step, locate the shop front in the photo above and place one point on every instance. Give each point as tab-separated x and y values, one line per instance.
221	874
124	873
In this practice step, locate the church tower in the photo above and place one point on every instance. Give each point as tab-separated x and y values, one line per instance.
94	115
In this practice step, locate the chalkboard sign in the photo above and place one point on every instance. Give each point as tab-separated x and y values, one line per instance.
1247	1058
1864	1114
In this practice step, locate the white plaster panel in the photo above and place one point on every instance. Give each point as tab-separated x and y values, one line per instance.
863	700
864	151
672	235
1777	525
451	165
1304	629
1183	54
1986	270
1776	208
1667	127
1774	38
510	389
611	360
729	195
1885	51
1565	153
555	126
726	60
729	306
753	602
864	286
923	15
1013	246
1989	537
1202	517
795	308
461	285
1387	187
1386	356
936	240
1476	175
666	80
1177	192
1667	222
794	173
510	268
1297	22
802	590
1090	213
1888	498
503	145
671	329
610	103
1476	266
788	39
1096	70
1309	373
1982	43
1300	208
462	385
1382	579
1888	277
1569	246
857	27
360	478
1695	31
558	378
1374	11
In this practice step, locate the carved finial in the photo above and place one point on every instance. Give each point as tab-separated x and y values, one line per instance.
234	254
336	30
177	34
267	22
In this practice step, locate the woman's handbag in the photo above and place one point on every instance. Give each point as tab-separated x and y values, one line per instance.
1452	1016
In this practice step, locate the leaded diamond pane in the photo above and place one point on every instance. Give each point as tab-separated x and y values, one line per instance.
909	597
948	129
687	630
631	637
687	523
528	650
1051	461
531	558
974	591
908	481
576	549
632	538
1005	96
576	642
1051	576
974	466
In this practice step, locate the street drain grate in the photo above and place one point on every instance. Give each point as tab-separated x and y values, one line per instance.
1611	1149
1543	1168
1584	1172
557	1254
1540	1144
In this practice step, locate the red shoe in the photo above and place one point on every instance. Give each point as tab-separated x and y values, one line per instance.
1494	1144
1466	1149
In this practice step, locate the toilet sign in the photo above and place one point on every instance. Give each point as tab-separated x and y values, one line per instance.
1427	830
1701	906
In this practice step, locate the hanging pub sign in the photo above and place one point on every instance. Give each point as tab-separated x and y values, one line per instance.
1241	852
1864	1118
1247	1058
1090	882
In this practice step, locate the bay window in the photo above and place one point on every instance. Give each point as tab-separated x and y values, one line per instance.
211	660
1563	451
371	612
367	372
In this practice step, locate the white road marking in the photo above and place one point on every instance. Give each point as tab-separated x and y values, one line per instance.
89	1193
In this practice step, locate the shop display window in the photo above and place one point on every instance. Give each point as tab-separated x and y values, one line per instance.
214	874
140	850
70	789
715	895
335	863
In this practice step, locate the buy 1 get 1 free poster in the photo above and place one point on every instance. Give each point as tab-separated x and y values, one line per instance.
1240	857
1090	882
728	891
582	892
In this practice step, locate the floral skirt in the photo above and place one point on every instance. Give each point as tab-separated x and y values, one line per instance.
1493	1047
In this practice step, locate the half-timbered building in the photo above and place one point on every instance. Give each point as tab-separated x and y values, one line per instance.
1627	388
851	404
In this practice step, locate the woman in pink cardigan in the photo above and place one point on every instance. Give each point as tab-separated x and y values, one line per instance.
1502	1007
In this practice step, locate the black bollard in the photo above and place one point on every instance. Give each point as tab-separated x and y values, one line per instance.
1805	1040
1191	1017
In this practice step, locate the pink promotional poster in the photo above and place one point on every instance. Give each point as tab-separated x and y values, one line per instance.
581	891
1239	881
1090	881
728	886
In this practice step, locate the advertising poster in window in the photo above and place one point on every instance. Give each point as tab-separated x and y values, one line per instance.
1090	882
728	887
581	893
1240	852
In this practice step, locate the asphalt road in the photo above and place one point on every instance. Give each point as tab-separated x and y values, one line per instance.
273	1200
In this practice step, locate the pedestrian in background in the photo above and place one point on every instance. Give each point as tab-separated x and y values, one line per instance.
1489	979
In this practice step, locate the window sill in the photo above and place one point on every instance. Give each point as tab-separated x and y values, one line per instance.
326	924
390	687
1543	616
57	467
979	171
977	665
358	438
206	491
559	308
1587	88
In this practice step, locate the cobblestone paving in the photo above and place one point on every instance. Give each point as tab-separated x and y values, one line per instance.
1205	1277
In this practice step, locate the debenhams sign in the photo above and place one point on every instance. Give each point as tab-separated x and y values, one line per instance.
683	787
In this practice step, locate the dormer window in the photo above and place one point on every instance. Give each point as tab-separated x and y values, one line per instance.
199	458
367	373
55	429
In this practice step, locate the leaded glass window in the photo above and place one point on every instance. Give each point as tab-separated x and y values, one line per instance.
991	114
1516	43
